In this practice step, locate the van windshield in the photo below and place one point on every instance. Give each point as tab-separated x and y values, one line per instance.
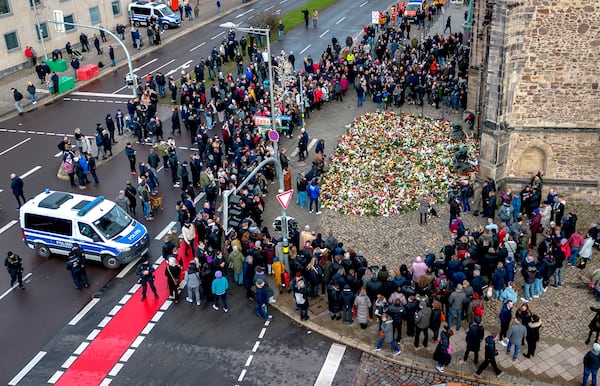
166	11
113	222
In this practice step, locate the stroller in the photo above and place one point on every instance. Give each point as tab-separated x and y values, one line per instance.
77	54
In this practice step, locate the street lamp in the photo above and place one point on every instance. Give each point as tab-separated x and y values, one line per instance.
60	22
275	159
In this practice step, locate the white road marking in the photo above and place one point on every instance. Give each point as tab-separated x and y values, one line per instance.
7	226
164	65
81	314
269	8
134	288
157	317
58	154
69	362
30	172
256	344
331	365
305	48
81	348
363	4
93	334
105	382
114	310
148	328
250	17
159	169
144	65
262	333
136	343
115	370
282	1
125	299
165	230
54	378
216	36
166	305
100	94
127	268
249	360
198	198
242	375
341	20
104	321
21	131
125	357
120	89
32	363
183	66
323	34
198	46
15	146
15	286
311	144
245	13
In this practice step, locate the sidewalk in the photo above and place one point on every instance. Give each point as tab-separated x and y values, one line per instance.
19	79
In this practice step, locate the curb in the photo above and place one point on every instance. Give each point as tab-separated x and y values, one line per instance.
407	362
78	85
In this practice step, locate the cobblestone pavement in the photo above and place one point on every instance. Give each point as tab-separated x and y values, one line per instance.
399	239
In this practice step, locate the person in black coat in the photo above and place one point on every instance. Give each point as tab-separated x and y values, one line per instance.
410	310
396	311
490	357
175	123
335	301
533	335
473	338
347	298
374	287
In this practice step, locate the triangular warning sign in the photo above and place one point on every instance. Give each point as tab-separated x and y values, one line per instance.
285	198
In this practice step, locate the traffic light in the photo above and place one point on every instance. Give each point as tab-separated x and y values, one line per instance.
234	218
292	225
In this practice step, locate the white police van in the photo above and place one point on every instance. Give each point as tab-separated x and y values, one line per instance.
52	222
141	11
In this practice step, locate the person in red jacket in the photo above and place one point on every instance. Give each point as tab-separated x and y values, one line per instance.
575	242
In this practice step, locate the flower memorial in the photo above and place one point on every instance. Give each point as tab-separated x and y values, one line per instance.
385	161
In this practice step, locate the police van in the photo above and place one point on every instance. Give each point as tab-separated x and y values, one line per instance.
52	222
141	11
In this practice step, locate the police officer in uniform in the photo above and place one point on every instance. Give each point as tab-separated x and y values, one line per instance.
146	273
76	264
15	268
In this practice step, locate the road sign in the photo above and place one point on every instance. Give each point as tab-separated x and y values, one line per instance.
274	135
285	198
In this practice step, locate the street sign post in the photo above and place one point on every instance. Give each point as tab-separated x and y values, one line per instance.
274	135
285	198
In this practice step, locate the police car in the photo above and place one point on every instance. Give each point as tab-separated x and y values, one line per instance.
52	222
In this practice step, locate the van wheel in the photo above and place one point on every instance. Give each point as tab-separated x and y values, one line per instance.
110	262
43	250
165	26
136	23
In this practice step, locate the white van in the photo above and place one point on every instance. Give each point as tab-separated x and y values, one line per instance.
52	222
141	11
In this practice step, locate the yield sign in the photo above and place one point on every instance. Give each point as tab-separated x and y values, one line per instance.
285	198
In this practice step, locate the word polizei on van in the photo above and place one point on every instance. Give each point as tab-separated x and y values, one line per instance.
140	12
52	222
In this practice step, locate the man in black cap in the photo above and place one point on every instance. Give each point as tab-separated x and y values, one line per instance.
13	264
146	273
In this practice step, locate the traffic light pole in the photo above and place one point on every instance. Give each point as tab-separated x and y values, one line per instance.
131	74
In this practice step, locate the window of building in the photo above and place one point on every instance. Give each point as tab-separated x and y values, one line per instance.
12	43
37	2
69	19
4	7
42	31
94	15
116	8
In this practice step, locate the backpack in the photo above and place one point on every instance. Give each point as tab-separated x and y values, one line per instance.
479	310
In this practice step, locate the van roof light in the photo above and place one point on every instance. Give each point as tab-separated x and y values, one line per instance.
88	207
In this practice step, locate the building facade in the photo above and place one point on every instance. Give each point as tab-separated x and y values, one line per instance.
24	23
536	92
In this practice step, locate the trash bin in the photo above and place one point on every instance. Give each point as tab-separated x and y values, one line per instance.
65	83
57	66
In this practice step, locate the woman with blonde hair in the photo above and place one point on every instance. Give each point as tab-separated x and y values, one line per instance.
362	303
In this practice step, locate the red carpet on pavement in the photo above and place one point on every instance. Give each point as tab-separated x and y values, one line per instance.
98	359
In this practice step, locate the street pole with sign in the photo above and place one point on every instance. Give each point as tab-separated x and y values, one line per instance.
59	21
275	158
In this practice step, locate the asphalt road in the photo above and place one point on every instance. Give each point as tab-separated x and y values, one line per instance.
32	317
